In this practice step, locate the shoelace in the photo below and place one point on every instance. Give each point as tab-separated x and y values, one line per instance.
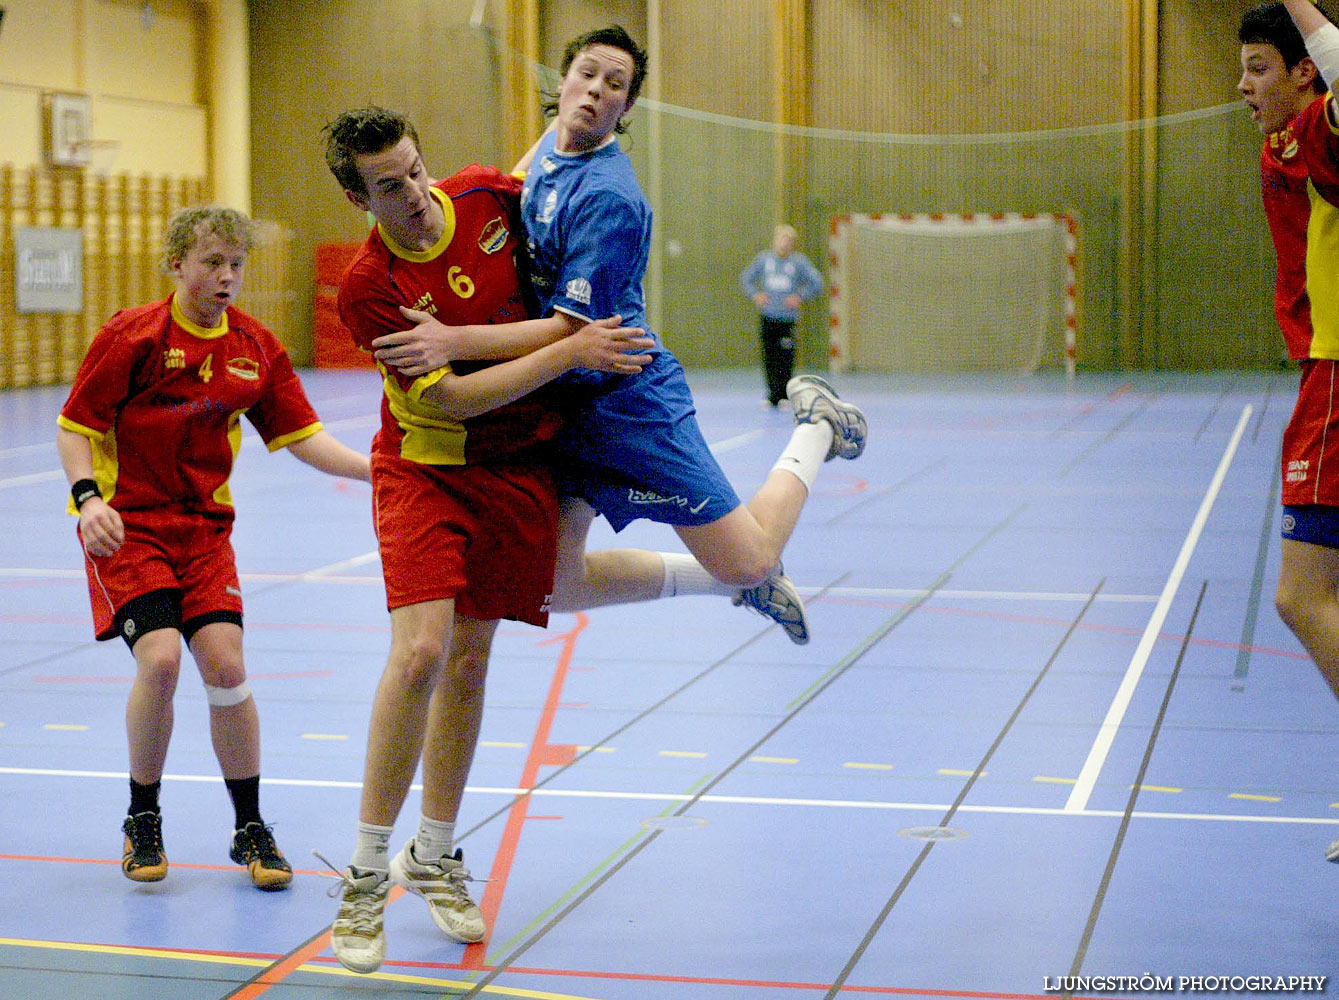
452	879
361	913
259	845
147	836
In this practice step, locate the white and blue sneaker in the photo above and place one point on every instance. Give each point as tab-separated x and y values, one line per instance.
776	598
812	399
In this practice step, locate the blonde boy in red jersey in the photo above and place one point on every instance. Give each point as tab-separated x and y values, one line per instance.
1289	51
465	505
147	439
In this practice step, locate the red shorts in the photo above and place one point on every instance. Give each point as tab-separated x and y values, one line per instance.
165	551
483	535
1311	441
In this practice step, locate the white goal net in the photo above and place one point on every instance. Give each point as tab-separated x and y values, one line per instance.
941	293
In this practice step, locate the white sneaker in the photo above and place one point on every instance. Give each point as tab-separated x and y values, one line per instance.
813	399
776	598
442	884
1332	852
356	936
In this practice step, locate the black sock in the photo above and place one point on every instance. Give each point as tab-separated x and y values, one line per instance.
143	798
245	794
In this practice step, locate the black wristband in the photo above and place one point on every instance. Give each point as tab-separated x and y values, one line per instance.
83	490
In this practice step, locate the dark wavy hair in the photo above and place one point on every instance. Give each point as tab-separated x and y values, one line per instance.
1270	24
615	36
357	133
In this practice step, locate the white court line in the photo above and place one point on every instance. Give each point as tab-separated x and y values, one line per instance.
1106	735
32	477
742	800
28	449
323	575
738	441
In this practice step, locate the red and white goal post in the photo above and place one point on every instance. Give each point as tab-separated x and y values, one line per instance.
940	292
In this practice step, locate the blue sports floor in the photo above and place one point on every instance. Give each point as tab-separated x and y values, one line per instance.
1049	726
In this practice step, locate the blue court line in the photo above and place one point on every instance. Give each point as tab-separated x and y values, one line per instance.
1124	827
882	917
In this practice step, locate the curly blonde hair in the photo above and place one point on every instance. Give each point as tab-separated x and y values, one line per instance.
188	226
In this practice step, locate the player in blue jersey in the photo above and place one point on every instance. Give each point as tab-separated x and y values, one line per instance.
631	447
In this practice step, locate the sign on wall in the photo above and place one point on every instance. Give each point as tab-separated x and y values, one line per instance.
48	270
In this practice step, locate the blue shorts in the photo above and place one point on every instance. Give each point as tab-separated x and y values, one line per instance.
1313	523
634	450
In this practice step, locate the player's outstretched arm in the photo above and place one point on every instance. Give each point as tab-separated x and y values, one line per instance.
1321	37
100	524
602	345
431	345
1305	16
327	453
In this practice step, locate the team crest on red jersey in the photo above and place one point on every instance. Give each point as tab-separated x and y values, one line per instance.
244	368
494	236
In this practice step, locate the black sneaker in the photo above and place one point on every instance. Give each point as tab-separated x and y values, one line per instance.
253	845
143	858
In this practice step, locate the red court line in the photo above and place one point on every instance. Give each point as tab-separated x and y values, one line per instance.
473	958
540	754
171	865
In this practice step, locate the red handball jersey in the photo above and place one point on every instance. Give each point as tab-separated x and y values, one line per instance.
1299	175
470	276
161	399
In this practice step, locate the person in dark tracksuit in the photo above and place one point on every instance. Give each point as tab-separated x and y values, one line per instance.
778	281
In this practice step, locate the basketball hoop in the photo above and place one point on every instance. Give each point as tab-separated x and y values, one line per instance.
97	156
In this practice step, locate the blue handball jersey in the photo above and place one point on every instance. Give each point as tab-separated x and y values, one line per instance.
631	446
588	233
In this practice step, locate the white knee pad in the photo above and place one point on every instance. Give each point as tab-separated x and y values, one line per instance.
226	697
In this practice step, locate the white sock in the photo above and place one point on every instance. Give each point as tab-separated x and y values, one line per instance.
807	451
434	839
685	575
371	851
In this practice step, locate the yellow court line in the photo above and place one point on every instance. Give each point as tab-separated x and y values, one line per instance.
953	772
1255	798
695	754
1055	781
775	760
599	749
325	736
1159	788
329	970
65	727
499	743
868	767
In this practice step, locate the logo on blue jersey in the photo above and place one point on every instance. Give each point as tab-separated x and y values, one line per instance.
651	497
550	208
578	290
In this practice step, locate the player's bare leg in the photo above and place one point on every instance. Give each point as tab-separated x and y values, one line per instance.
1308	602
427	865
149	718
234	726
421	635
